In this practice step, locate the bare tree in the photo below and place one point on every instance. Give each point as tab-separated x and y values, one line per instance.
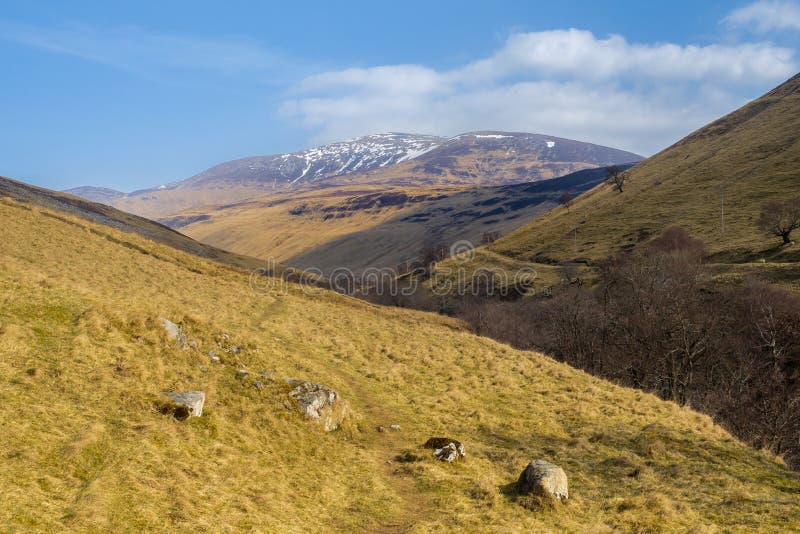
430	254
616	177
780	218
565	199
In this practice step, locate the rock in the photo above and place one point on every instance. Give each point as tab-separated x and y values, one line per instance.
234	349
186	404
174	332
214	356
266	373
395	427
446	449
258	385
241	374
319	402
544	479
450	452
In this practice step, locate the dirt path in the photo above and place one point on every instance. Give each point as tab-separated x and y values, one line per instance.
386	446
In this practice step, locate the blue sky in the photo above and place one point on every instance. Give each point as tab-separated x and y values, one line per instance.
131	95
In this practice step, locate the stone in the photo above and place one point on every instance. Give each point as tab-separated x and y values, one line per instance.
213	356
450	453
258	385
544	479
174	332
242	374
319	403
395	427
186	403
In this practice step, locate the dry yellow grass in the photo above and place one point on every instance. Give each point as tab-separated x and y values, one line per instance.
82	353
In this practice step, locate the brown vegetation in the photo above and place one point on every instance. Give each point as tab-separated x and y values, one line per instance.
656	321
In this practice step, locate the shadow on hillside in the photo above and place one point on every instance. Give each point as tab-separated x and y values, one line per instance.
465	215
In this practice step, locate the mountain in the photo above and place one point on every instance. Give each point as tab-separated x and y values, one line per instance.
103	195
88	445
361	226
714	183
478	158
315	164
495	158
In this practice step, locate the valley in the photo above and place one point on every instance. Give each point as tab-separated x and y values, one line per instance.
418	268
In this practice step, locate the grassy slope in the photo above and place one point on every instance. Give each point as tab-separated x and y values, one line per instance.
81	353
106	215
754	153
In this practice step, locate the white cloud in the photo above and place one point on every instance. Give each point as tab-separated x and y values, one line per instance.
566	83
766	16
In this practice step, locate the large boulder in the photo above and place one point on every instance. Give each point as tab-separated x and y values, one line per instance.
319	403
544	479
184	404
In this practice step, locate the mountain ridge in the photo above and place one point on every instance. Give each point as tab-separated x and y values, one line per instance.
474	158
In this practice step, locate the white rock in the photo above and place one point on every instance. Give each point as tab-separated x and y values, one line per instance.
174	332
450	453
192	401
319	402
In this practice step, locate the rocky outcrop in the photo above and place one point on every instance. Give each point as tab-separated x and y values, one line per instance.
184	404
543	479
319	403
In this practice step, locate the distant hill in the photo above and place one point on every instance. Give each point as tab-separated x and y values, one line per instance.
477	158
713	182
360	226
96	194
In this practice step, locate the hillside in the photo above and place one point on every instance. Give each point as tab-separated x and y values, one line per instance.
91	211
83	356
478	158
730	167
360	226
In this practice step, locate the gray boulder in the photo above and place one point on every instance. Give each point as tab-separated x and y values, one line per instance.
186	404
319	403
544	479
